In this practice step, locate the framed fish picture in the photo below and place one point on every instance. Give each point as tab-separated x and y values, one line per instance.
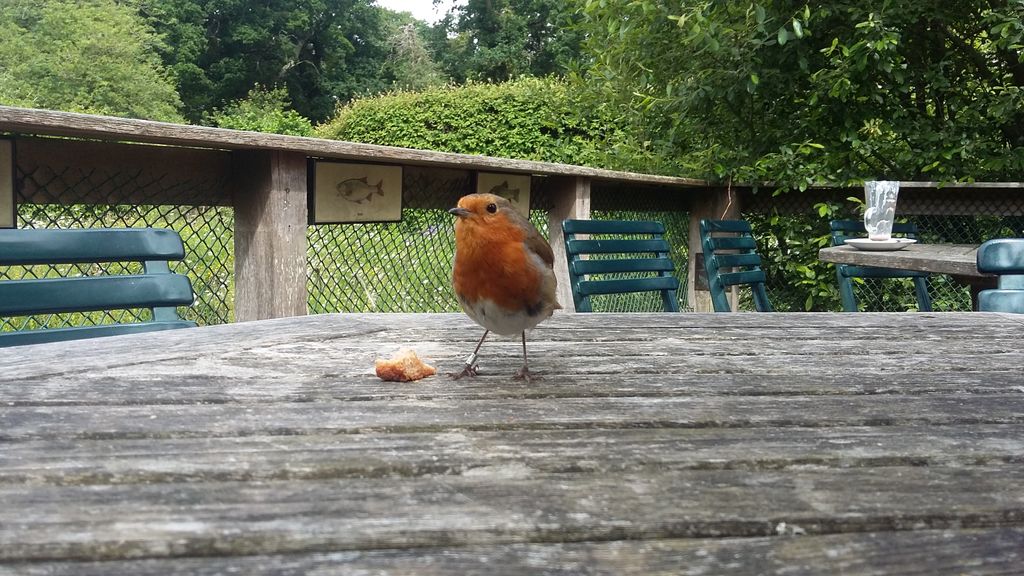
349	192
8	212
513	187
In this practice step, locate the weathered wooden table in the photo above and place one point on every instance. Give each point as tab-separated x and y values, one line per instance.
820	443
957	260
952	259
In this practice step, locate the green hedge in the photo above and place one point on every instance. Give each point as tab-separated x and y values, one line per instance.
530	119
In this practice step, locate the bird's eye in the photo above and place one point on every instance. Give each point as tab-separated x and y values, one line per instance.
492	208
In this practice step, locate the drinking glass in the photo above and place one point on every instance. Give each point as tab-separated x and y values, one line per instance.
880	196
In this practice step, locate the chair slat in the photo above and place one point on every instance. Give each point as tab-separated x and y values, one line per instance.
870	272
616	246
731	226
843	229
1011	281
46	246
1001	256
622	265
999	300
736	260
733	243
590	288
24	337
90	293
620	227
742	277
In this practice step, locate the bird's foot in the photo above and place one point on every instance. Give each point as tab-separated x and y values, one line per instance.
469	367
467	370
525	375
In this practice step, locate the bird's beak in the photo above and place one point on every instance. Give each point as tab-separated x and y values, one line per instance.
460	212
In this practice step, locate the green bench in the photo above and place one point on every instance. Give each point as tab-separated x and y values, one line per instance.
156	288
642	251
1005	258
731	259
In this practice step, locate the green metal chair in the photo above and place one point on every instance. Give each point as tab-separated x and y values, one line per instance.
843	229
1004	257
156	288
731	259
648	257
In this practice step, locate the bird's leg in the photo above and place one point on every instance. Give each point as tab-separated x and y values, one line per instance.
469	369
524	372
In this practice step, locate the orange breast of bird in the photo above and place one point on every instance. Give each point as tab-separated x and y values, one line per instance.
492	262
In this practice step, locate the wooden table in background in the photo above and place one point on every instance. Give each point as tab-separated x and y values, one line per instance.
812	443
956	260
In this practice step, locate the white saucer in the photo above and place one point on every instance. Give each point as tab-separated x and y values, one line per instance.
880	245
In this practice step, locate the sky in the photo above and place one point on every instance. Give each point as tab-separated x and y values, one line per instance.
422	9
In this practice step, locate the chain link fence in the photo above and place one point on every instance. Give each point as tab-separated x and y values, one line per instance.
790	228
399	266
50	197
405	266
641	204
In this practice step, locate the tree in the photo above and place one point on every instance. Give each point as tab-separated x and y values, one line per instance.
320	51
263	110
92	56
497	40
410	63
799	93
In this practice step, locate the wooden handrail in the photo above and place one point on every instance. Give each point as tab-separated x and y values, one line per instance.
53	123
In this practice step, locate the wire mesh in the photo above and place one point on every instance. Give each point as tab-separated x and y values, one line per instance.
383	267
401	266
73	198
607	204
405	266
791	228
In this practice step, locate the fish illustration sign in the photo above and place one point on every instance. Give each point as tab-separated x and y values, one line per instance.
513	187
346	192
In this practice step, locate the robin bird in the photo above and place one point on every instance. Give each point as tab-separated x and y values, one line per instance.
503	274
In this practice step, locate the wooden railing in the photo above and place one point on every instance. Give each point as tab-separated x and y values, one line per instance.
264	178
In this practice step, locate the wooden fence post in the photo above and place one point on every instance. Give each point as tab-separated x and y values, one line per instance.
269	196
571	200
717	204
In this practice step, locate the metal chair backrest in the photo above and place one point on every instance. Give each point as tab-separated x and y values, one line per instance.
1004	257
156	288
731	259
843	229
647	259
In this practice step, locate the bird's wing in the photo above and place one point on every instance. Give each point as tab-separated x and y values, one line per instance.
536	243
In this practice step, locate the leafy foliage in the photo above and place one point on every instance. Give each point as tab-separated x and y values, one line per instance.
321	51
264	111
804	93
498	40
92	56
529	118
800	93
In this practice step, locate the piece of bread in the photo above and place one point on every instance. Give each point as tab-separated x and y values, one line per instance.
406	366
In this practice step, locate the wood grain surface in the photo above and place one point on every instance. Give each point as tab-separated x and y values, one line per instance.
818	443
953	259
